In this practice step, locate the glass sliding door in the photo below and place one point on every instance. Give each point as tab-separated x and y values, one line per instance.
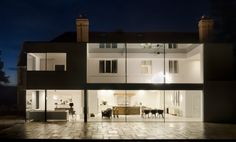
145	105
162	64
184	105
64	105
104	105
35	105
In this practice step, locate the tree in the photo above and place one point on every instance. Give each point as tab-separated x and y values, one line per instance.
3	78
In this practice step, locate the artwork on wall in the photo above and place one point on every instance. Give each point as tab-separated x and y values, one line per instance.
63	102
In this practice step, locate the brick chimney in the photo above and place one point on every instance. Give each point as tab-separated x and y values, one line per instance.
205	27
82	29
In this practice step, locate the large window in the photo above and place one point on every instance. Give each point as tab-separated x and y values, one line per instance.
61	105
145	105
172	46
154	63
173	66
108	45
146	67
46	62
108	66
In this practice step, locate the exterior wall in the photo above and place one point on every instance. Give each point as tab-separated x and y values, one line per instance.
219	86
21	93
73	78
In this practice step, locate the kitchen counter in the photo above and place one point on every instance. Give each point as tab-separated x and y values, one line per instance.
126	110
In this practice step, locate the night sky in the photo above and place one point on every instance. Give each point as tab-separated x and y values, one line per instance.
38	20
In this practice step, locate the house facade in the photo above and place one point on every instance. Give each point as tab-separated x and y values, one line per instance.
123	76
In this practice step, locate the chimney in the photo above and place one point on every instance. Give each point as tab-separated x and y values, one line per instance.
205	27
82	29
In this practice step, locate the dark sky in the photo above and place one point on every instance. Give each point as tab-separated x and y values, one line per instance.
37	20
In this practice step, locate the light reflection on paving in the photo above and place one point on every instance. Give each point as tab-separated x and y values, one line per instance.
120	130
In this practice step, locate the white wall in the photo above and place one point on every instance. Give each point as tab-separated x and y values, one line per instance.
32	95
95	77
56	59
150	99
190	104
175	109
33	62
93	102
135	75
54	96
193	102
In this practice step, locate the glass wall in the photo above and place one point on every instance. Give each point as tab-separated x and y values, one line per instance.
61	105
184	63
145	105
65	103
154	63
102	105
184	105
35	105
46	61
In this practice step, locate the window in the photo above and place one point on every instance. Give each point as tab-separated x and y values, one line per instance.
108	45
114	45
173	66
46	61
102	45
108	66
172	46
146	67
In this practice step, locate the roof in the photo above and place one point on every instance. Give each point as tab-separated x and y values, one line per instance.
132	37
122	37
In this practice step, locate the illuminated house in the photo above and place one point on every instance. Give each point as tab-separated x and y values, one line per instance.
122	76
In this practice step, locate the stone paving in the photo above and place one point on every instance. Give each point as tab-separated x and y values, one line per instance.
119	130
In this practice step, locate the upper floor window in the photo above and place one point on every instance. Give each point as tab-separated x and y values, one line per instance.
108	45
173	66
108	66
172	46
46	61
146	67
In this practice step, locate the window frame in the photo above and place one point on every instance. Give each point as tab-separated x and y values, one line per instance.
108	66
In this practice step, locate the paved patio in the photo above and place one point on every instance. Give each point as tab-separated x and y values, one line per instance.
119	130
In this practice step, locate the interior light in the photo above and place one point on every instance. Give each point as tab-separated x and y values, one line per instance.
55	97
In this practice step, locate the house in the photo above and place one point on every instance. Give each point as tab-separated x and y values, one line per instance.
142	76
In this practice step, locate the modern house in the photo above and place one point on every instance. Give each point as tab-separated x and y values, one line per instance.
124	76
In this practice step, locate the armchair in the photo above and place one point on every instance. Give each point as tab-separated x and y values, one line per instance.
107	113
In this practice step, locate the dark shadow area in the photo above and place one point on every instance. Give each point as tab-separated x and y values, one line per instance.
8	100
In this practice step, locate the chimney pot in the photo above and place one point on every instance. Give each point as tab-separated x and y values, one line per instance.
205	28
82	28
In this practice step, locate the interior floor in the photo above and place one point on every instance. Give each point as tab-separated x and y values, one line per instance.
134	118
